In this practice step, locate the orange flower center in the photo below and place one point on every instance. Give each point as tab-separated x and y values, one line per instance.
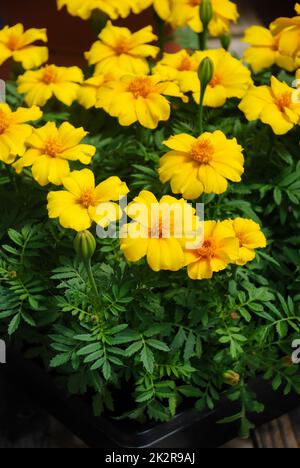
284	101
156	232
240	237
161	230
49	75
185	65
194	2
52	148
14	43
215	81
141	87
208	250
202	151
122	47
87	198
4	123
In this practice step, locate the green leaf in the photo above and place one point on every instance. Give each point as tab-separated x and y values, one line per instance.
92	348
26	317
98	364
189	348
147	358
245	314
85	338
277	382
126	336
60	360
14	324
277	196
134	348
190	391
158	345
282	329
146	396
106	370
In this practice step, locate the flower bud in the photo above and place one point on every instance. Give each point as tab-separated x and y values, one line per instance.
231	378
225	41
206	12
206	72
85	245
234	316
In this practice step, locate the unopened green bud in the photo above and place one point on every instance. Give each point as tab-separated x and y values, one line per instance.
225	41
206	12
85	245
206	72
232	378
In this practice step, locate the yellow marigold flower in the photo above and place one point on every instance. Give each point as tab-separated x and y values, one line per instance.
265	50
182	68
274	105
49	150
14	131
89	90
121	50
82	202
204	164
219	249
17	43
231	78
138	99
41	85
159	231
289	30
84	8
250	238
186	12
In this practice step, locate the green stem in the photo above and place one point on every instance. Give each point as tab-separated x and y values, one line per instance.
203	39
92	281
202	94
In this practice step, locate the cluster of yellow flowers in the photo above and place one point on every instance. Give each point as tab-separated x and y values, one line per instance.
177	13
224	242
280	44
277	105
194	166
127	87
123	86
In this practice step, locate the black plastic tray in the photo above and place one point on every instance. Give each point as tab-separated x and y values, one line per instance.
189	429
